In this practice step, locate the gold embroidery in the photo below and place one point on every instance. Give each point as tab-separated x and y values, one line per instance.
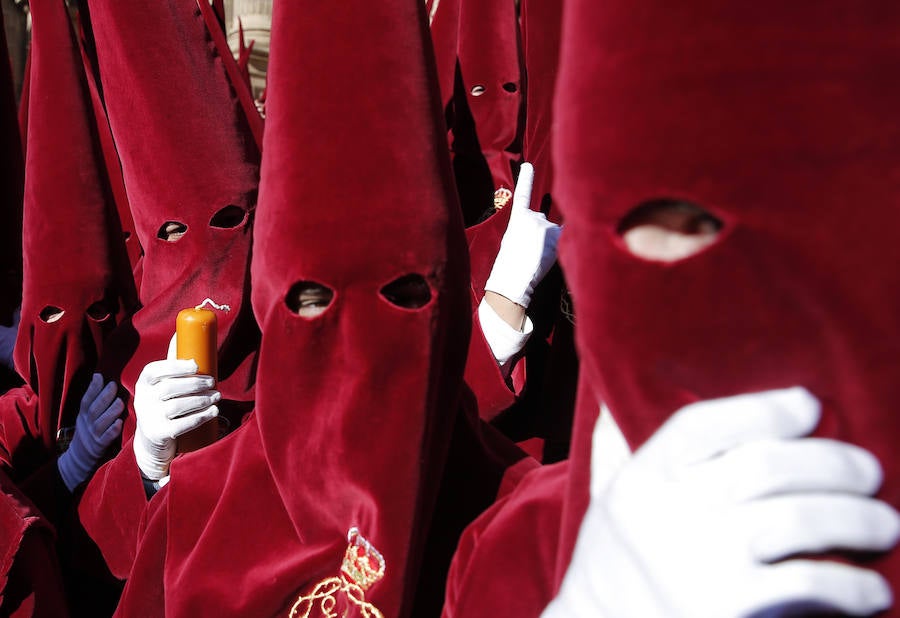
361	567
502	196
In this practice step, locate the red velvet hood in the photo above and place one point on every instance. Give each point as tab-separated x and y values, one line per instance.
780	119
491	67
373	385
354	407
188	157
76	274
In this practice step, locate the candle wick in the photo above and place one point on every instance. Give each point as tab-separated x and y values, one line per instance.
214	304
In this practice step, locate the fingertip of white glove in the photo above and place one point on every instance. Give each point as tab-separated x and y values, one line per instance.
524	185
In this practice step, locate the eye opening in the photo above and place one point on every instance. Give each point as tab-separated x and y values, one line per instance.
409	291
172	231
668	230
50	314
98	311
510	87
309	299
477	90
230	216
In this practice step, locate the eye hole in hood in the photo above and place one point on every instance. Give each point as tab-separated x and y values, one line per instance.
309	299
409	292
668	230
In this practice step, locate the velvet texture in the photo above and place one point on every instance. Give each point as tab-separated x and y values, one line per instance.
190	164
490	88
76	276
30	582
355	406
504	562
491	68
790	136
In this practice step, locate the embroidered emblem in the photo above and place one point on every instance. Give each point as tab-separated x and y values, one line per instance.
361	568
502	196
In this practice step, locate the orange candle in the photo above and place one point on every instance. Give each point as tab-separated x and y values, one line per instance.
197	339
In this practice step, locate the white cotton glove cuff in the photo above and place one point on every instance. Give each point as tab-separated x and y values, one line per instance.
153	458
504	340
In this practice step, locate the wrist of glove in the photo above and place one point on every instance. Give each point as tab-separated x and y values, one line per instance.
170	399
527	249
153	456
96	427
705	520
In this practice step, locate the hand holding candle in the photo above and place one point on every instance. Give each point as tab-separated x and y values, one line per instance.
176	396
196	338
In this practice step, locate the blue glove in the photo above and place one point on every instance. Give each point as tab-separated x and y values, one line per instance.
97	425
8	336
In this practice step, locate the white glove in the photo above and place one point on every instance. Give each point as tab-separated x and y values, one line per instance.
698	523
528	248
97	425
169	400
8	335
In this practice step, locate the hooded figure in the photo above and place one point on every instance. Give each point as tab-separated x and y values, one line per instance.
365	321
77	278
733	120
190	166
77	284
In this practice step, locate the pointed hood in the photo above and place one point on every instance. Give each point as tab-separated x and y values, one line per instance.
190	167
780	120
354	406
76	274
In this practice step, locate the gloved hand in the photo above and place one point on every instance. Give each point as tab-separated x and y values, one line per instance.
698	522
8	336
169	400
528	248
97	425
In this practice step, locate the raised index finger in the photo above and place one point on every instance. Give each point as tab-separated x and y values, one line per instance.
522	194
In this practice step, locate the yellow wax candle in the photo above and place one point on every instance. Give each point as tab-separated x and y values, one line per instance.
197	339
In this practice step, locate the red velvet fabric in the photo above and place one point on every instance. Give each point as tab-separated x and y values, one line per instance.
355	406
76	275
30	581
491	68
780	119
504	561
107	144
543	408
189	157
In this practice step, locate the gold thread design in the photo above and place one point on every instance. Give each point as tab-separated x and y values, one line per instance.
502	197
361	568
